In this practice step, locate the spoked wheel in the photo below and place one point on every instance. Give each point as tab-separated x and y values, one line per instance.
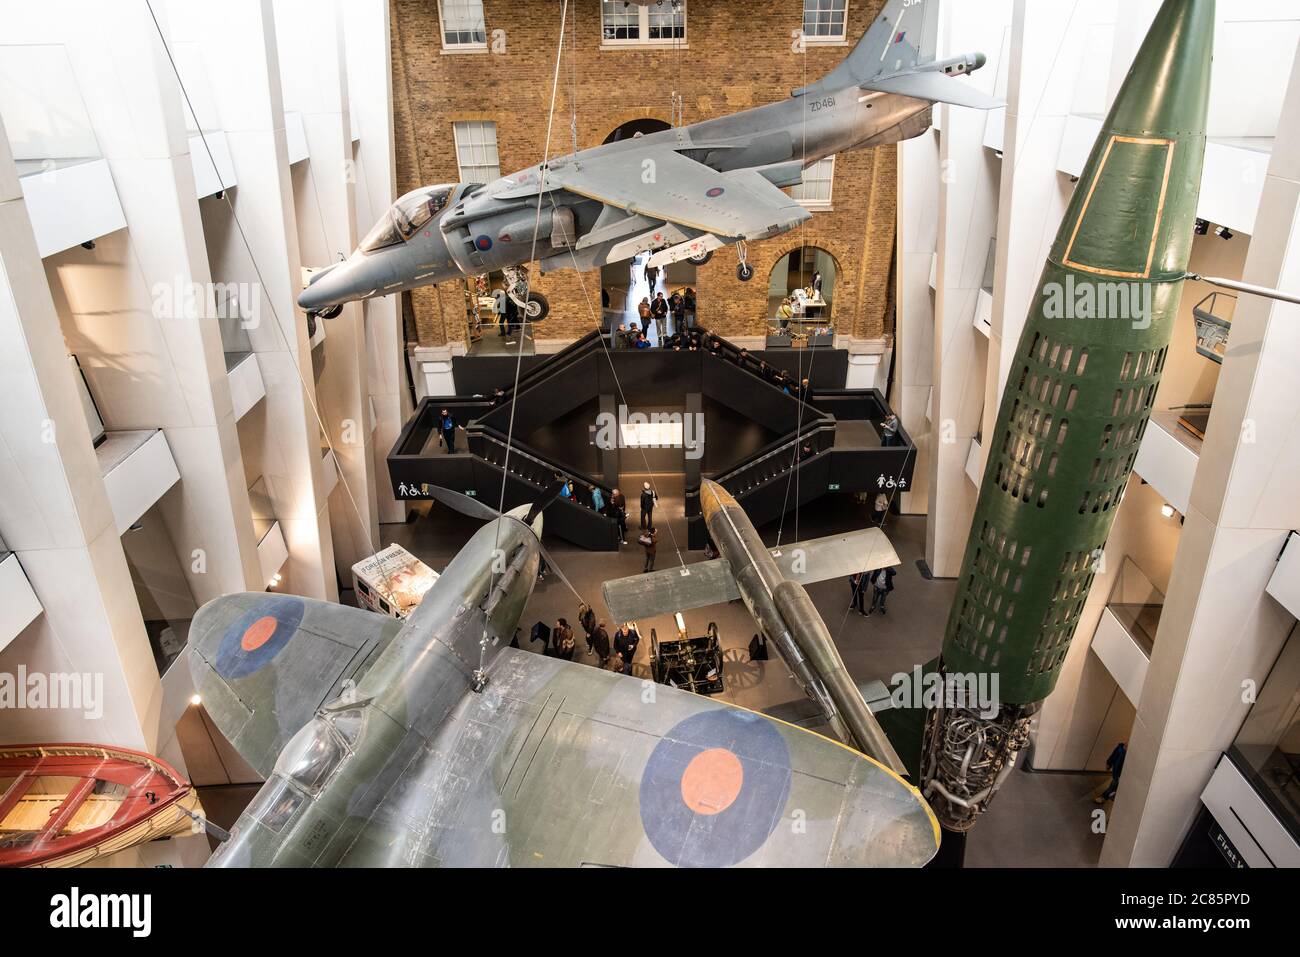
744	272
700	260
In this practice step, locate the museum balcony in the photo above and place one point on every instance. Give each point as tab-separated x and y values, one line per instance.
19	606
1170	451
1126	633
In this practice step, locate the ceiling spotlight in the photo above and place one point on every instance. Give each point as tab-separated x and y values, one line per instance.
276	578
1167	510
88	244
1202	227
271	583
1223	232
196	700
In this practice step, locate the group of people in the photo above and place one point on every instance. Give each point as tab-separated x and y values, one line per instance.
680	305
612	654
881	582
616	508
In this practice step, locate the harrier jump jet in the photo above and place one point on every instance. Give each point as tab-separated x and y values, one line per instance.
681	193
431	743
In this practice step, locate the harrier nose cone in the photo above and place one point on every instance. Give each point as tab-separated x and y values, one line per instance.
329	287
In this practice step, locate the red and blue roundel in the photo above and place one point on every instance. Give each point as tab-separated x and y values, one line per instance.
484	243
715	192
254	639
715	788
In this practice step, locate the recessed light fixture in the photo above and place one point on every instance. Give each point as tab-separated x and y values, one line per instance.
1167	510
196	700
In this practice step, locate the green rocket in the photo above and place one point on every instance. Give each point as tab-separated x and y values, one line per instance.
1074	410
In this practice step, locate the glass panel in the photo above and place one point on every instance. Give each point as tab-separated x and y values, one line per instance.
44	115
620	20
275	805
385	233
311	755
817	183
162	590
1137	603
263	513
665	22
476	151
824	19
416	208
1269	741
462	23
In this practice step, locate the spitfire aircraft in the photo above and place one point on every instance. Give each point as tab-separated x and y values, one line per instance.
431	742
681	193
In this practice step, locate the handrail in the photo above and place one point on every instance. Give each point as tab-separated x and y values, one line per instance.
551	469
554	363
772	462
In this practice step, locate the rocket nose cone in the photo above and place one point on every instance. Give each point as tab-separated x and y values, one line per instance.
713	497
1168	85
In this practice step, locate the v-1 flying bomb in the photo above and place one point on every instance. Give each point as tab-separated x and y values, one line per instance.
681	192
771	584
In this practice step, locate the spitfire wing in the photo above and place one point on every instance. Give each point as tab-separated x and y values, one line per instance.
659	182
263	664
711	583
558	764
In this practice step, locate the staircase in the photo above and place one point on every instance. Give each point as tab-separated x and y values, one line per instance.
830	440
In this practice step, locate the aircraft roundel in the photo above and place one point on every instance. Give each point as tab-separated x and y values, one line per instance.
715	192
254	639
715	788
484	243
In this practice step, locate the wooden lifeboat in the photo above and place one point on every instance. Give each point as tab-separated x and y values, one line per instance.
62	805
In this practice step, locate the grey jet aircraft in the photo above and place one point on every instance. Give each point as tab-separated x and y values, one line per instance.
431	742
680	193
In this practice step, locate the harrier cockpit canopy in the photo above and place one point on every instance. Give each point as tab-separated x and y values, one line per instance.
409	214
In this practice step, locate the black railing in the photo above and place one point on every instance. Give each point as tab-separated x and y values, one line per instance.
530	466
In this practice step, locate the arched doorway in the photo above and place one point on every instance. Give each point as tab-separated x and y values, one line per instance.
805	277
642	124
626	283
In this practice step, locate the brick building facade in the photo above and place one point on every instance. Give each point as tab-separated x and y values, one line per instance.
735	55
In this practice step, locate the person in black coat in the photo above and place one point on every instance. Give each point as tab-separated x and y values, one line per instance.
858	592
1115	763
626	641
648	499
600	644
447	426
587	619
882	583
659	310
